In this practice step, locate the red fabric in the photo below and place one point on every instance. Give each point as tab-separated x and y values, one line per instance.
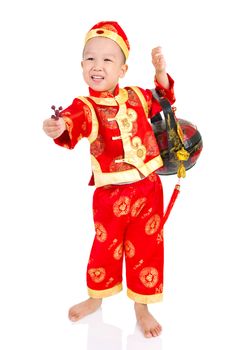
128	225
104	148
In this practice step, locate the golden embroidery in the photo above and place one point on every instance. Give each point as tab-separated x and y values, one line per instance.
129	249
151	144
152	177
147	213
87	112
97	147
107	115
152	225
101	233
159	289
121	206
111	279
160	237
149	277
118	252
139	264
120	166
140	149
94	120
141	98
138	206
97	275
113	243
133	99
68	122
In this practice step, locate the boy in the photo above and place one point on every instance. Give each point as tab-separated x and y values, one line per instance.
128	200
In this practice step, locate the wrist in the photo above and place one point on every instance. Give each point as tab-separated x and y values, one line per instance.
161	78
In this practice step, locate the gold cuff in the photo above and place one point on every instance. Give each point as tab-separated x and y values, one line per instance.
98	294
144	299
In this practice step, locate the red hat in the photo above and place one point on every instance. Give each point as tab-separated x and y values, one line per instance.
111	30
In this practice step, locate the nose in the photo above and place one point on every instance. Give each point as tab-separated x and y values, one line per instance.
97	66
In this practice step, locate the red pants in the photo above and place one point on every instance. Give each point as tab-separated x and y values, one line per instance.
127	218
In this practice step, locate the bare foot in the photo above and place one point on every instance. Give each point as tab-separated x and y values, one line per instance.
85	308
149	326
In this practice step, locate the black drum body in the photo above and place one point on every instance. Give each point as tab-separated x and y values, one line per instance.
191	141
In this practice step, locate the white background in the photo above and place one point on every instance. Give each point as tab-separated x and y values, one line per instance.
45	217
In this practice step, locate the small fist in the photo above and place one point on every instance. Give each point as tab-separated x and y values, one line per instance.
54	128
158	60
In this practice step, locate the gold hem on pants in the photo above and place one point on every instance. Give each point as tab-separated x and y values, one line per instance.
144	299
98	294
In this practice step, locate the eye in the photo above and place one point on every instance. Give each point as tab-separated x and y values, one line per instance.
89	59
107	60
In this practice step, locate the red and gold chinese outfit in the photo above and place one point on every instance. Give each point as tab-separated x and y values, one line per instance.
128	200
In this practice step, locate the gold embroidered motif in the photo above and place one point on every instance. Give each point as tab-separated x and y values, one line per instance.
159	289
113	243
152	177
121	206
133	99
118	252
141	98
95	125
97	275
138	206
160	237
107	116
149	277
151	144
119	166
139	148
140	262
152	225
111	279
129	249
101	233
97	147
87	113
68	122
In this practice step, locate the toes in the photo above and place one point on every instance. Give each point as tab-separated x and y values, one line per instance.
156	331
73	316
147	334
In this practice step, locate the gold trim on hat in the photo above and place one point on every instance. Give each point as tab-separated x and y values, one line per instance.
110	35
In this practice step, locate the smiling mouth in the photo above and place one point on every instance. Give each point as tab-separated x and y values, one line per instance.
96	78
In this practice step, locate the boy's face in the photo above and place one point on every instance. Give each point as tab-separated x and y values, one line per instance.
103	64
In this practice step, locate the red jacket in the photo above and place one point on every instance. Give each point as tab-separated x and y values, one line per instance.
123	146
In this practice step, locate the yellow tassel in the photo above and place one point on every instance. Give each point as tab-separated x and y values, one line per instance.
181	172
182	154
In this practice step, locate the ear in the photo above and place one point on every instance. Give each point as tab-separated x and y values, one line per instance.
82	64
123	70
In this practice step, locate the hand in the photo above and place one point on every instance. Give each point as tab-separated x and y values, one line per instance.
54	128
158	60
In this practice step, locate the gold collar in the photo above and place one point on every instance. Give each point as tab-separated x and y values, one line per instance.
121	98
